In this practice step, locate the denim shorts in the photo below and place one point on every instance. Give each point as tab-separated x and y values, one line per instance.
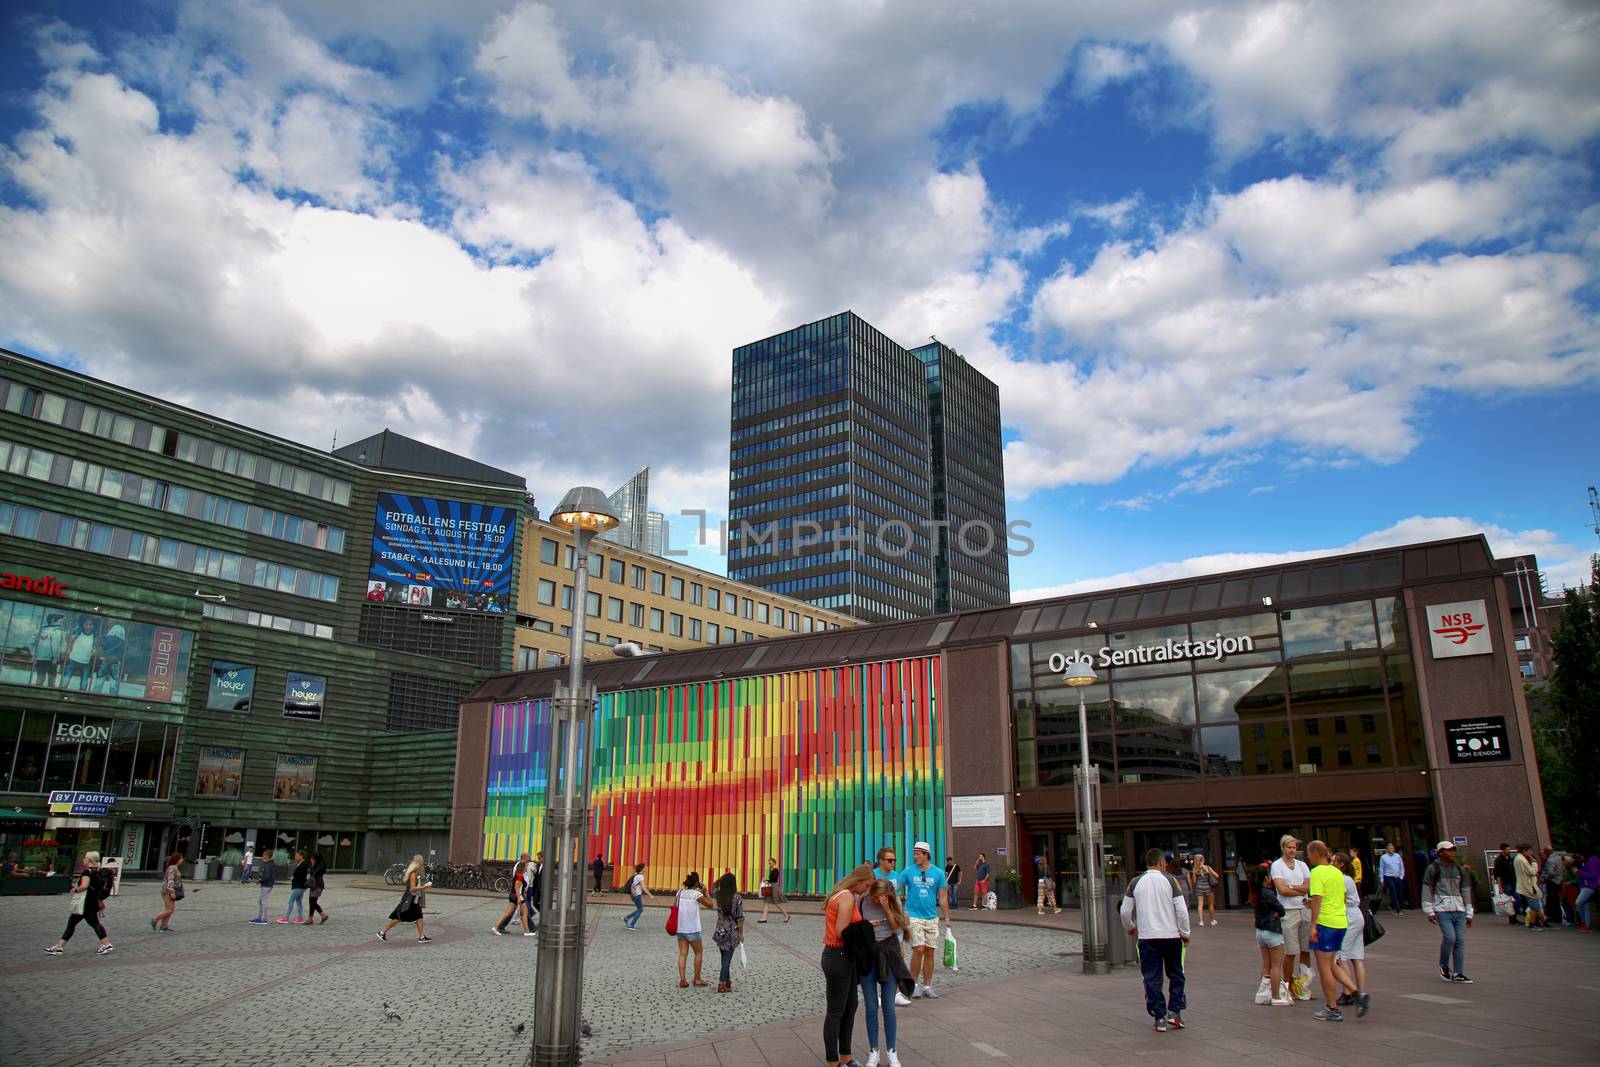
690	937
1268	939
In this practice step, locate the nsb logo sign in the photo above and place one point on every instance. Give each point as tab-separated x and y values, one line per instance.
1460	629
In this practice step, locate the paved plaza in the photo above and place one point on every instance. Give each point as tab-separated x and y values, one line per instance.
219	989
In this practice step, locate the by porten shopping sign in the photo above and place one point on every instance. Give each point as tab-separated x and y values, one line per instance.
1477	740
1460	629
46	585
71	802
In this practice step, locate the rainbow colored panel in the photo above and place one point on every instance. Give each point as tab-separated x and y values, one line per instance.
818	768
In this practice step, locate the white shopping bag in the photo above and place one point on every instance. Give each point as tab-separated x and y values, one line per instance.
744	960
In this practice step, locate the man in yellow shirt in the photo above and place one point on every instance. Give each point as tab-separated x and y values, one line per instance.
1325	897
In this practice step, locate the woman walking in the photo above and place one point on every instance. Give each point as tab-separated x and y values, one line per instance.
409	910
315	884
838	969
89	892
637	892
729	933
772	891
171	893
514	894
1353	951
1206	880
533	879
689	901
1273	989
881	907
297	890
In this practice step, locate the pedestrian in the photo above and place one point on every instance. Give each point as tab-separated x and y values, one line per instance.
297	890
637	892
1325	898
316	882
1045	897
90	888
412	902
952	878
1588	885
514	892
1206	880
839	974
880	986
249	862
729	932
1504	873
1569	889
1392	870
980	882
599	868
1447	902
1552	868
1273	989
688	901
1154	909
1290	877
1353	951
926	904
1528	894
171	893
772	891
888	871
533	886
268	879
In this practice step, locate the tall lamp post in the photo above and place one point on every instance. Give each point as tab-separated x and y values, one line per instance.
1092	885
558	984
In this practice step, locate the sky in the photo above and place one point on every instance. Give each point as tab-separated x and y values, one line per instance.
1255	280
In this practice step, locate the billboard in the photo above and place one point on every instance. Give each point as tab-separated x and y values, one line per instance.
304	695
295	779
218	771
441	554
53	647
232	685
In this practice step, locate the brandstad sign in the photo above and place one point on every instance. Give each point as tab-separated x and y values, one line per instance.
45	586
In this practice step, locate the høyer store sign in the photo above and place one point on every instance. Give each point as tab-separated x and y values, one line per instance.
1460	629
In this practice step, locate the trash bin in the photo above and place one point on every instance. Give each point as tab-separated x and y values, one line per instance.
1122	948
227	874
200	870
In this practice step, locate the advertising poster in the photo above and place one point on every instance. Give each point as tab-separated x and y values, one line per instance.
218	772
296	778
232	685
303	695
1477	740
441	554
50	647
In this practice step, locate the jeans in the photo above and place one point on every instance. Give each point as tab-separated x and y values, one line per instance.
955	893
839	974
1156	955
1453	942
878	990
632	918
76	670
244	875
296	902
266	891
1583	906
727	961
1393	885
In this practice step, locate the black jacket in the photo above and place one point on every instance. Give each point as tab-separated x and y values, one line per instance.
890	961
297	880
861	945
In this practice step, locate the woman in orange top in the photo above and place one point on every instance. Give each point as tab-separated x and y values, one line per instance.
838	970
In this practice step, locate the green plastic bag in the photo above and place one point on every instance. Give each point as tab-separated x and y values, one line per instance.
950	950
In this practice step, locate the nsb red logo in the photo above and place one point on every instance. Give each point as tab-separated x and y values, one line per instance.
1457	627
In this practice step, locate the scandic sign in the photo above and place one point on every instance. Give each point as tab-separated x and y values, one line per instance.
45	586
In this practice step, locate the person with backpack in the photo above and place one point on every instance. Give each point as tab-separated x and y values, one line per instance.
1273	989
519	885
637	892
412	902
171	893
533	884
1447	902
1156	910
89	892
269	878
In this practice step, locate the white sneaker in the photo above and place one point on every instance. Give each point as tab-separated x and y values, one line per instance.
900	999
872	1059
1282	1002
1213	922
894	1061
1264	992
916	993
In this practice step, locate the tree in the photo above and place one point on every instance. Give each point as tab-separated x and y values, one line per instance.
1566	722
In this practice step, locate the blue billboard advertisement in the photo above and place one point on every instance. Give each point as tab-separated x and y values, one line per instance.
441	554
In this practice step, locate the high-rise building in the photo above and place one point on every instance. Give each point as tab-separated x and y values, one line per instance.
833	495
638	527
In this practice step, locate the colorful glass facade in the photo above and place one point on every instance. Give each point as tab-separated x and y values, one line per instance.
818	767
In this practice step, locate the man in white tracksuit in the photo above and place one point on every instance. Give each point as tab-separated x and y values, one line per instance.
1155	907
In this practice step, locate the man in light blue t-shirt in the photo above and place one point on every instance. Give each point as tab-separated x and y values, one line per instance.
927	902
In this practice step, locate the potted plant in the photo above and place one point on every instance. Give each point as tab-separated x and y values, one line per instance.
1008	888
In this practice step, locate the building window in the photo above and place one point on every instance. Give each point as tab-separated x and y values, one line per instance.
1523	643
566	597
777	617
554	659
547	590
591	605
732	603
547	551
656	619
696	593
592	636
619	571
805	624
1526	667
1369	724
613	609
714	599
748	610
675	624
567	556
658	583
694	629
761	612
713	633
677	589
745	635
638	577
597	564
635	614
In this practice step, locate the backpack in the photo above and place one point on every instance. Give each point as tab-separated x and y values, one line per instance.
104	881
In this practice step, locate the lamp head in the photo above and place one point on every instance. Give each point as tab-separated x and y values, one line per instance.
584	510
1080	673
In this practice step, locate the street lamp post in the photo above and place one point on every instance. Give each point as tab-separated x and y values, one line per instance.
558	984
1092	886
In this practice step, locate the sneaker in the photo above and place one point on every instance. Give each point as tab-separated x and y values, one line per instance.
1175	1021
152	924
283	921
298	922
1444	972
52	951
424	940
259	922
1462	978
874	1058
1345	1000
1329	1015
1263	992
1281	1002
535	933
900	999
1213	922
104	950
381	936
1365	1000
1161	1025
496	931
916	994
1056	912
894	1061
929	993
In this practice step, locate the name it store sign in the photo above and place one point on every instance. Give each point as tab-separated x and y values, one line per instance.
1216	647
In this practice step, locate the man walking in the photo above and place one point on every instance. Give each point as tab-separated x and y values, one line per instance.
1155	910
1505	876
1290	877
269	877
599	868
1330	921
249	861
927	902
1447	902
1392	869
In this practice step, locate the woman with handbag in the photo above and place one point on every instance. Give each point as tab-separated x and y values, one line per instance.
89	892
171	893
729	933
409	910
1353	949
684	923
839	975
1206	880
772	891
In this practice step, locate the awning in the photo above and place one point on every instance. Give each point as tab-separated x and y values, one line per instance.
20	822
69	823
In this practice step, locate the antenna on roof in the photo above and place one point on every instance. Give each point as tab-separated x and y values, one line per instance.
1594	510
335	446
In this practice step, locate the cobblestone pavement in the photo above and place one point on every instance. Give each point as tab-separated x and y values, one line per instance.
218	988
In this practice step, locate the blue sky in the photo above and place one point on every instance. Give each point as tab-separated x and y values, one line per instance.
1253	279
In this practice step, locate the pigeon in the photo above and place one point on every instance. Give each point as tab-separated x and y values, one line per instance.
389	1013
519	1028
586	1029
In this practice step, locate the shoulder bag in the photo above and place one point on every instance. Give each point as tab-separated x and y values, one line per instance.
672	917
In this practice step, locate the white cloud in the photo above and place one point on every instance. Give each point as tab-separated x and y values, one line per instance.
1103	63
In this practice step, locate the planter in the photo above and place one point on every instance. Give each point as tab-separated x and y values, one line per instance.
1007	896
35	885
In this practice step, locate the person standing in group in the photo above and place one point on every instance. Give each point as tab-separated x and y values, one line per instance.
729	932
772	891
1392	870
412	901
171	891
689	901
1447	902
249	862
1273	989
1528	894
91	886
952	878
297	890
1588	885
1353	950
1045	895
1325	899
839	976
1504	873
1206	880
879	987
1552	869
599	869
268	879
888	871
1290	877
1155	910
533	885
637	892
514	894
926	904
1569	889
317	882
980	882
